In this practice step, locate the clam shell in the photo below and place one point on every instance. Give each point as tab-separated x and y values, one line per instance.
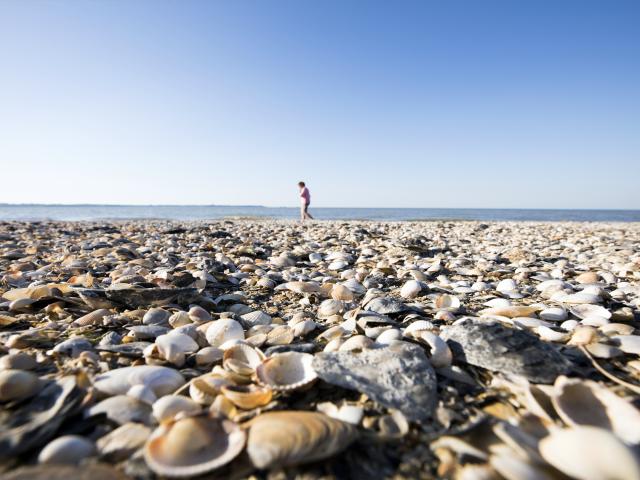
341	292
280	335
411	289
389	336
589	453
447	302
355	343
587	310
627	343
441	355
247	397
18	385
18	361
67	450
511	311
173	347
205	388
193	446
162	380
223	330
286	371
167	407
242	359
280	439
330	307
584	402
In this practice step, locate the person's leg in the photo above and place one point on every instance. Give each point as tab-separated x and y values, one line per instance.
306	212
303	212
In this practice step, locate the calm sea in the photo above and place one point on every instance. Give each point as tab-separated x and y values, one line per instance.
200	212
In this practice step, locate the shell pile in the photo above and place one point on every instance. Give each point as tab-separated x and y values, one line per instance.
459	350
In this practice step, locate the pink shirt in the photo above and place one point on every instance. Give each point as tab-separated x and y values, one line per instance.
305	195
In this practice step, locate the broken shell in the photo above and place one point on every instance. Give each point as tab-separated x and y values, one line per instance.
589	453
205	388
223	330
247	397
286	371
242	359
167	407
279	439
193	446
18	385
584	402
441	355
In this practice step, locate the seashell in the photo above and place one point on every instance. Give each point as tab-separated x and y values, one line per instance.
18	385
247	397
341	292
627	343
355	286
197	314
280	335
510	312
266	282
578	298
208	355
67	450
257	340
330	307
223	330
600	350
415	327
611	329
529	322
143	394
587	277
507	285
554	314
584	402
498	302
161	380
549	335
587	310
167	407
18	361
389	336
303	287
315	257
193	446
122	409
355	343
589	453
447	302
394	425
347	413
303	328
180	319
92	318
583	335
122	442
594	321
334	345
569	325
512	467
173	347
338	265
411	289
286	371
441	356
256	317
205	388
73	347
223	407
156	316
242	359
286	438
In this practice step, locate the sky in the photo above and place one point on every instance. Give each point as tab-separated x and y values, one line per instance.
444	104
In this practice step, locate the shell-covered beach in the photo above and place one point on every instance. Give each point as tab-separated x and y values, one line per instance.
274	349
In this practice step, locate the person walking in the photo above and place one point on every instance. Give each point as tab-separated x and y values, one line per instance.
305	200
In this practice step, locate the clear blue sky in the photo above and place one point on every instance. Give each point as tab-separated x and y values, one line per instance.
380	104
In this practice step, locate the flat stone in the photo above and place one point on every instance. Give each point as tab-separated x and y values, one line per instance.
399	376
498	348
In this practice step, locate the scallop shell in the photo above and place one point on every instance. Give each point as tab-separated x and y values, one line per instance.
584	402
280	335
193	446
247	397
589	453
242	359
223	330
286	371
256	317
280	439
417	326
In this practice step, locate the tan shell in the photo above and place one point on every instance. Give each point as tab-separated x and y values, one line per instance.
512	311
340	292
280	335
286	371
330	307
355	343
167	407
205	388
247	397
193	446
589	453
279	439
447	302
242	359
584	402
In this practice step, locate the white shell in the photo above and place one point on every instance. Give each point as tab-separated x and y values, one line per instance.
67	450
223	330
330	307
161	380
411	289
167	407
441	355
554	314
173	347
257	317
286	371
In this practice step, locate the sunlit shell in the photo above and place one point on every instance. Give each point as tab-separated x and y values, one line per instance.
174	346
280	439
162	380
247	397
92	318
589	453
180	319
67	450
205	388
447	302
411	289
511	311
587	310
303	287
330	307
193	446
257	317
18	361
415	327
287	371
389	336
347	413
584	402
304	327
549	335
441	355
280	335
167	407
223	330
507	285
554	314
627	343
18	385
242	359
208	355
198	314
355	343
340	292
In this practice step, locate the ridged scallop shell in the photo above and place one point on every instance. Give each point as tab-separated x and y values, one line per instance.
223	330
192	446
280	439
242	359
256	317
584	402
280	335
247	397
287	371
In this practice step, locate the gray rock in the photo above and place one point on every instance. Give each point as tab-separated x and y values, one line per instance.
498	348
133	349
295	347
398	376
